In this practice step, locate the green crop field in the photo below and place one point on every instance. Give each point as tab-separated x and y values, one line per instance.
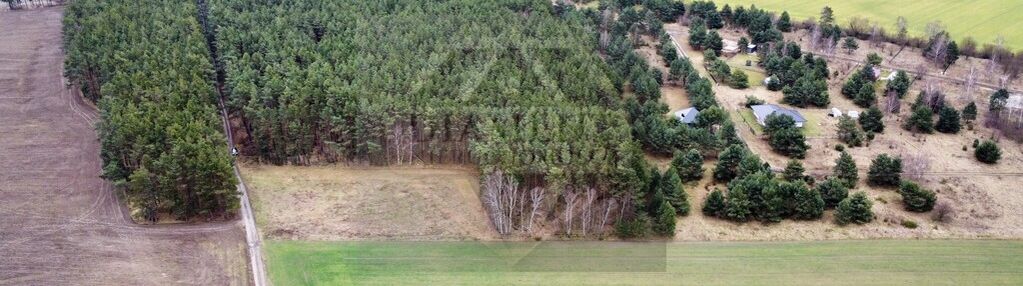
984	20
878	262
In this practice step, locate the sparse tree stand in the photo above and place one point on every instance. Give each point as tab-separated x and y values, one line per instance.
855	209
988	152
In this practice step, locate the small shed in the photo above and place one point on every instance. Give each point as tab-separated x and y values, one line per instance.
835	112
751	48
730	47
688	115
854	114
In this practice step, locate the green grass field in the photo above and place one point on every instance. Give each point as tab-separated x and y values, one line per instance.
878	262
983	20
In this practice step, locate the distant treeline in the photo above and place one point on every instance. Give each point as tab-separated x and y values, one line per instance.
146	65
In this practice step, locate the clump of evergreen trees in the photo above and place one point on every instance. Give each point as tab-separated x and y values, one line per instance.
147	65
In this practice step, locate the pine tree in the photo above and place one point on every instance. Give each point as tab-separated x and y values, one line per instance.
970	112
674	193
922	120
916	198
900	84
866	96
988	152
948	120
665	223
848	132
728	163
794	171
689	165
738	206
872	120
855	209
784	22
833	191
714	204
845	170
809	204
885	171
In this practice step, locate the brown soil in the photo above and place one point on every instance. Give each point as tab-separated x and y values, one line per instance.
347	203
60	224
986	198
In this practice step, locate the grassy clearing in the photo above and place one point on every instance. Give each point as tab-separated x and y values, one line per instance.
345	203
880	262
984	20
747	118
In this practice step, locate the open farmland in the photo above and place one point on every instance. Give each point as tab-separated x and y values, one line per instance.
60	223
882	262
984	20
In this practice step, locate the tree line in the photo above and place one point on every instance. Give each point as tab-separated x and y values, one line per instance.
146	66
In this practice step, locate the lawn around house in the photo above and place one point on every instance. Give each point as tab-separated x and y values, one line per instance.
810	128
859	262
984	20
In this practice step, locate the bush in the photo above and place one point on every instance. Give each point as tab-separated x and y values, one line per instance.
855	209
988	152
840	148
738	80
915	198
752	100
943	212
908	223
885	171
636	227
832	191
714	204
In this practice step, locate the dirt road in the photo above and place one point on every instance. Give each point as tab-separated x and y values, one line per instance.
60	224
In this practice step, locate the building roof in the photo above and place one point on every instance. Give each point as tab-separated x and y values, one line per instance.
762	111
688	115
730	46
1014	101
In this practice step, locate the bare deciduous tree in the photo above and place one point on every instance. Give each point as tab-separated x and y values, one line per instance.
569	211
587	209
915	166
536	196
921	71
968	86
609	204
939	49
500	196
892	103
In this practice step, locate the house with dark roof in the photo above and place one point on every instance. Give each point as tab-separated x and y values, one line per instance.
761	112
688	115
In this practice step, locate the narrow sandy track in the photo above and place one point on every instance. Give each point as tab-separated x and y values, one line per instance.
60	223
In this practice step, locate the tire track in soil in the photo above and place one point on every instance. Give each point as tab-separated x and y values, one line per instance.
60	224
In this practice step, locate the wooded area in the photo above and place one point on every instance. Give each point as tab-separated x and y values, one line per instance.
147	67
